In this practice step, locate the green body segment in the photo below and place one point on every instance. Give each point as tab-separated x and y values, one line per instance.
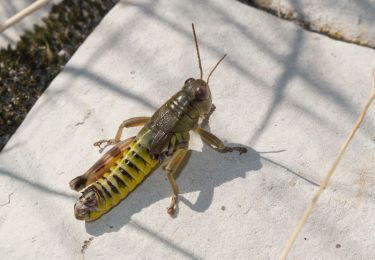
124	176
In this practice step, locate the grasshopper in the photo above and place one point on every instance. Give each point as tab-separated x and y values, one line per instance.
163	141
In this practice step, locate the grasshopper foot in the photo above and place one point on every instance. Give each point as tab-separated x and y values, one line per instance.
106	142
241	150
172	207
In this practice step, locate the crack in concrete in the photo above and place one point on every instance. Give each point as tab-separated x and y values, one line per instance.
290	171
8	202
85	245
87	115
290	15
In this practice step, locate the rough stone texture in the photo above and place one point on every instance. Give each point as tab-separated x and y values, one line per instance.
10	8
349	20
289	95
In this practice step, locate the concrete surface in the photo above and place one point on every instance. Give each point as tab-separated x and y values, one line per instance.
10	8
353	21
289	95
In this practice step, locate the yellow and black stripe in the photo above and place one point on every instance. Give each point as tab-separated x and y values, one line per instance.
123	177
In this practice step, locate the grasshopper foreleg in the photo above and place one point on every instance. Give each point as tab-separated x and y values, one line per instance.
216	144
207	116
173	167
131	122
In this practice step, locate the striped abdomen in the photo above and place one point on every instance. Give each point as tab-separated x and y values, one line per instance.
122	178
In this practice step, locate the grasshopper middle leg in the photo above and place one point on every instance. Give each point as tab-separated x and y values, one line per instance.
131	122
174	165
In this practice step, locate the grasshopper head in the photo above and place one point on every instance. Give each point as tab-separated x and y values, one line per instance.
199	94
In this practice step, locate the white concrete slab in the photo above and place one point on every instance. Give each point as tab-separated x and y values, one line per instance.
10	8
291	96
345	19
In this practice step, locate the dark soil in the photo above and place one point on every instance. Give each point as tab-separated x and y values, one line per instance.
27	69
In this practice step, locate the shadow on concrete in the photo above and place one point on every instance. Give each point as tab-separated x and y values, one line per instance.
206	181
366	6
112	86
297	174
204	171
10	147
281	85
38	186
290	61
165	241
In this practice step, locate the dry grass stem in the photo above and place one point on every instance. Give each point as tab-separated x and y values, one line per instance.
22	14
327	178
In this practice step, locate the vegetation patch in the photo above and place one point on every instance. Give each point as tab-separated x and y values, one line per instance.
27	69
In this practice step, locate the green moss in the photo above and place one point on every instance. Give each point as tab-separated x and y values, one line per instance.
27	69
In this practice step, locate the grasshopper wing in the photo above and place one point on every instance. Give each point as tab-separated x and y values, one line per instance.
162	124
101	166
160	140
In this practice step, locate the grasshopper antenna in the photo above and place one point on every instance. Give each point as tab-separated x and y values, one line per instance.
217	64
196	46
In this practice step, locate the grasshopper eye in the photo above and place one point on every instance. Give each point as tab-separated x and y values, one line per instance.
202	93
189	80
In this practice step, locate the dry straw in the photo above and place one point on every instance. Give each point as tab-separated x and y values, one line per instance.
326	180
22	14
